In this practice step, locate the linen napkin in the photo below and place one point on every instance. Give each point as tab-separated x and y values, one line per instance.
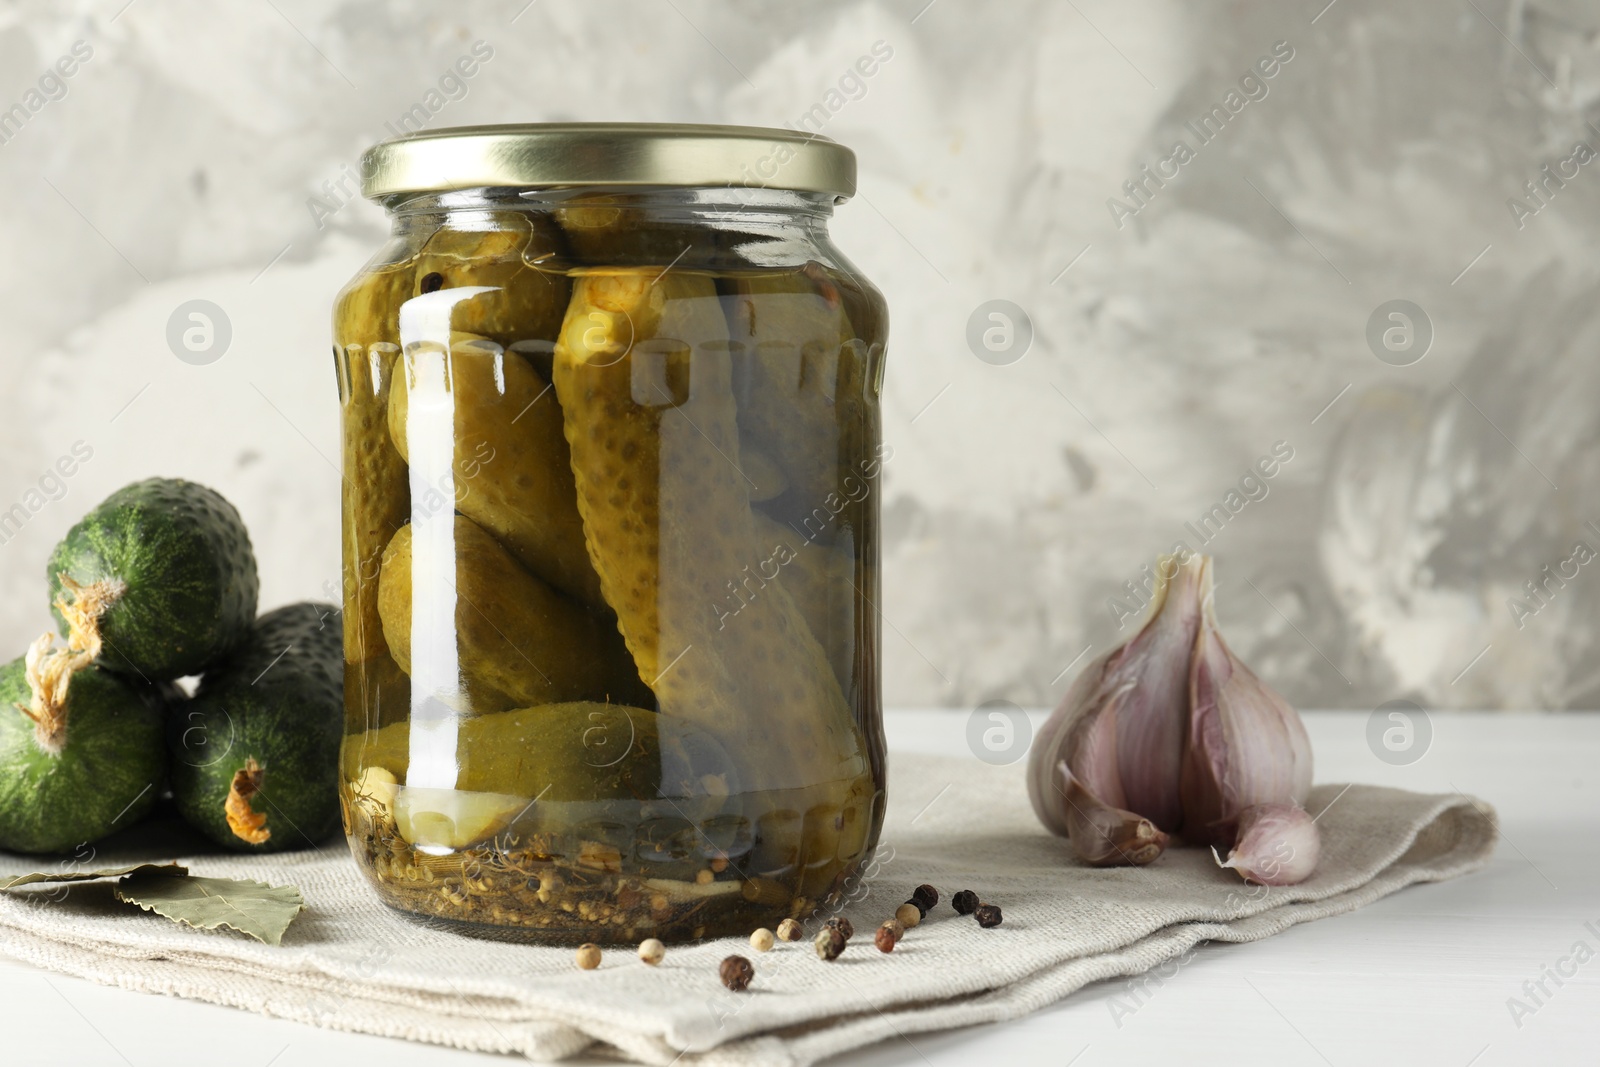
350	963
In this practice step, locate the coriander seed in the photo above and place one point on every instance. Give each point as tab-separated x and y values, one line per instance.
651	950
790	930
588	956
829	943
965	902
988	915
736	972
762	940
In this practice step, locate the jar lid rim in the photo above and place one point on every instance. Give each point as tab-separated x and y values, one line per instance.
607	153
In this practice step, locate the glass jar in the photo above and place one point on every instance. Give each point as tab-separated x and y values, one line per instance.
611	454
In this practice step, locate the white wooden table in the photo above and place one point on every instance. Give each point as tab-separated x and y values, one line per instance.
1422	977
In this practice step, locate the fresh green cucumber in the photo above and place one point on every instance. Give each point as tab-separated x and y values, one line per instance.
100	769
255	752
171	570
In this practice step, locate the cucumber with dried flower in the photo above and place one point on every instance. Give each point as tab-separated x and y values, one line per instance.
80	750
169	565
255	753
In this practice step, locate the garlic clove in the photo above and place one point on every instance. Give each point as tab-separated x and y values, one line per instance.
1055	742
1104	836
1278	844
1137	696
1151	715
1085	799
1246	745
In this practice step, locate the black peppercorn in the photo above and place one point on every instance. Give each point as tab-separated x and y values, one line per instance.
432	282
829	943
736	972
926	896
922	909
965	902
987	915
843	925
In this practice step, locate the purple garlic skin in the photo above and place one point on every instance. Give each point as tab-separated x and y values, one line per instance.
1246	745
1278	845
1105	769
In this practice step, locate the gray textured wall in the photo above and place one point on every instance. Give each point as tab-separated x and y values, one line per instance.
203	151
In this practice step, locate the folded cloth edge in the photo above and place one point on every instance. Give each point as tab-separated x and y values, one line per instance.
797	1044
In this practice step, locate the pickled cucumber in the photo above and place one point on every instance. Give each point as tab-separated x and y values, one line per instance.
519	642
794	334
579	751
527	309
615	228
513	474
519	257
531	766
523	761
861	372
366	332
818	576
592	225
666	508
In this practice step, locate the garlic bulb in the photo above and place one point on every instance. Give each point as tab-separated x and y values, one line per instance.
1115	744
1277	844
1170	734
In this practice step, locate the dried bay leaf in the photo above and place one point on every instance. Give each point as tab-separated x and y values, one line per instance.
253	908
156	870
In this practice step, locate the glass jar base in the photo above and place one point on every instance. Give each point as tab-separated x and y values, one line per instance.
507	896
612	910
569	931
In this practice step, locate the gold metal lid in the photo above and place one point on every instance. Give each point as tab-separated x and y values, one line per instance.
607	153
